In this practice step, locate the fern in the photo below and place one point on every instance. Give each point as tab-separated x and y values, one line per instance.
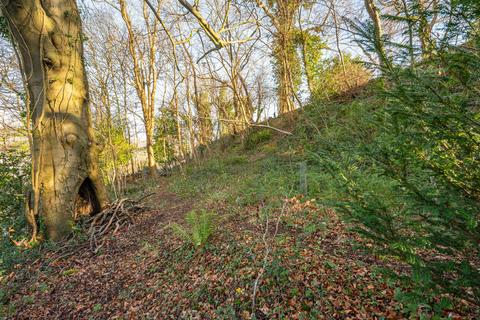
180	231
201	225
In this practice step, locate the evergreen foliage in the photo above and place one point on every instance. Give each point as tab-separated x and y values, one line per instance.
412	186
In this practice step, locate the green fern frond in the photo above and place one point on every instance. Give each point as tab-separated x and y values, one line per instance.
180	232
201	225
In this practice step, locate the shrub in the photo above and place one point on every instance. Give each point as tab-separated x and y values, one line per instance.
337	79
201	225
257	137
115	154
165	136
413	186
14	177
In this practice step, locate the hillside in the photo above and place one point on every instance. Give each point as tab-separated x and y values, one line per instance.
281	248
143	176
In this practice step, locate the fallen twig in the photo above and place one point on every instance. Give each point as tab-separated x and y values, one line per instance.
110	220
265	257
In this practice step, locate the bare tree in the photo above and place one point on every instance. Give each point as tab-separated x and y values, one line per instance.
144	52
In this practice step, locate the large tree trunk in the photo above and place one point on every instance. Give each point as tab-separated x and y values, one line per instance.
285	55
65	176
283	18
286	91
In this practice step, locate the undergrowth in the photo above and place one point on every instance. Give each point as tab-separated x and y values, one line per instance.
201	226
340	147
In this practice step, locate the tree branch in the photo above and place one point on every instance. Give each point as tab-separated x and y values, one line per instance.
212	34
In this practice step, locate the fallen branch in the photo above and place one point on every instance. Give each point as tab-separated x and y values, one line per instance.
119	214
249	124
266	256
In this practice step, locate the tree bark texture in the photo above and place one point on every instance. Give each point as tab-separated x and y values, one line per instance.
285	54
65	175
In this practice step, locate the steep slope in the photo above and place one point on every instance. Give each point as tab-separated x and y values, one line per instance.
279	250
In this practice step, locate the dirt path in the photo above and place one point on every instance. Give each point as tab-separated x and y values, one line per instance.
87	286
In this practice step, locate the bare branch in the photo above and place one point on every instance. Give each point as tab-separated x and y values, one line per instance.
212	34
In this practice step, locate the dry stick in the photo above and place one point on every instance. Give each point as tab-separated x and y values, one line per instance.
114	217
266	256
103	217
144	197
250	124
105	228
117	226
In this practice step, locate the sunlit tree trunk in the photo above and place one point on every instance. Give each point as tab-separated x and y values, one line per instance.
204	112
177	116
282	15
374	14
191	131
284	56
425	27
145	74
65	176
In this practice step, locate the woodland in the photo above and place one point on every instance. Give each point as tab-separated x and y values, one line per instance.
225	159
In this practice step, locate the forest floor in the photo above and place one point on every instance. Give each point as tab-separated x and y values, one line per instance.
305	264
144	272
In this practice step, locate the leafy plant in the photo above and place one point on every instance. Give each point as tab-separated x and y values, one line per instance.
410	182
117	151
257	137
338	78
4	32
201	226
236	160
165	136
14	177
